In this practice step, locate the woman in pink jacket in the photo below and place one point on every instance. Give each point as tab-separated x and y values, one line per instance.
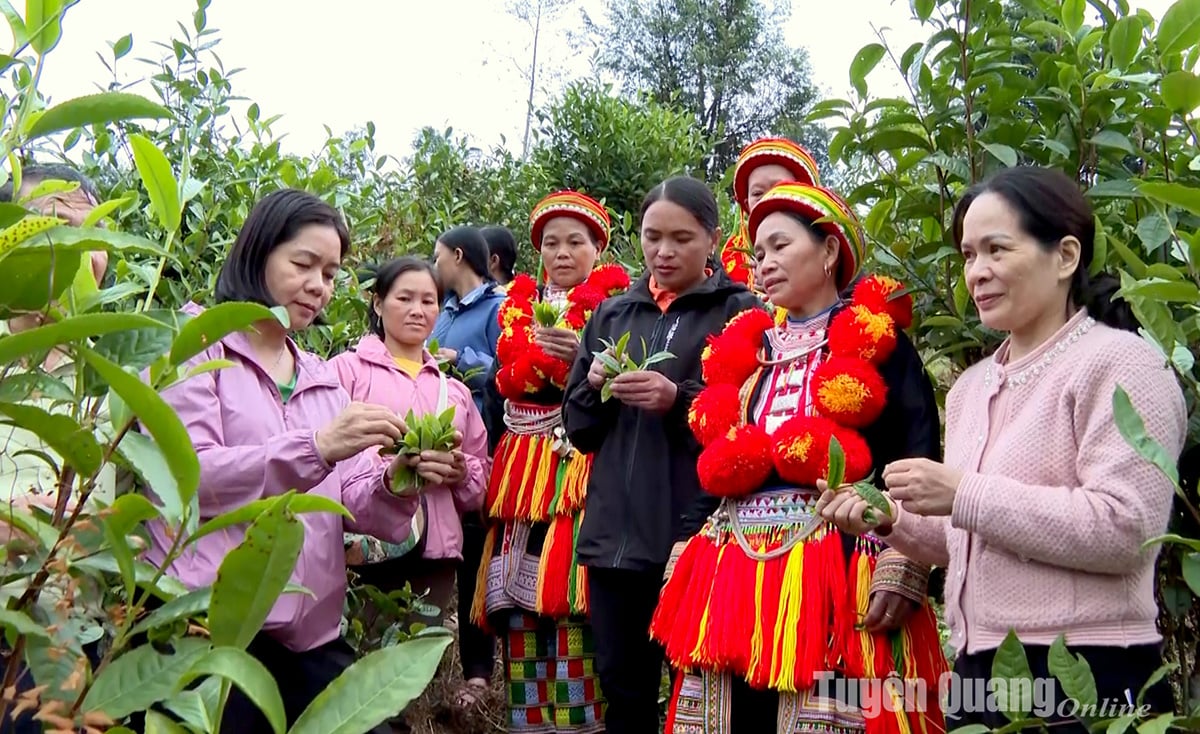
391	367
1041	511
279	420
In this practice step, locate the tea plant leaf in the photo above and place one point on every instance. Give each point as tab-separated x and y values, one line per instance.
156	723
126	512
43	22
1003	153
106	208
77	447
157	177
1181	91
253	575
1179	27
836	473
147	461
865	61
1073	672
1124	40
189	605
1072	14
87	239
374	688
1162	672
1133	430
75	328
1158	725
96	109
248	674
214	324
1193	543
31	226
1190	569
21	624
1172	194
1011	674
1121	725
157	418
138	679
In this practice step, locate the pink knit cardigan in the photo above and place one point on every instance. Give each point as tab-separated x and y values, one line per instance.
1048	523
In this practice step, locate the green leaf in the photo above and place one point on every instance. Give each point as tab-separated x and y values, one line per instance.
1158	725
126	512
155	170
156	723
864	62
1121	725
34	278
376	687
1073	672
922	8
198	706
15	22
1113	139
191	604
87	239
1014	679
1179	291
248	674
971	729
76	328
61	433
300	504
212	325
96	109
1179	27
1193	543
43	21
1162	672
1181	91
1153	230
835	475
27	386
157	418
148	462
1172	194
106	208
1072	14
21	624
1002	153
1190	568
1133	430
1124	40
142	677
938	322
253	575
122	46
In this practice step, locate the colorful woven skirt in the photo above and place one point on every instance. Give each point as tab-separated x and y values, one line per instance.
550	676
753	596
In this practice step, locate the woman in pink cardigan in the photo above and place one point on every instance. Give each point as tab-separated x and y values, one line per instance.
390	367
1041	508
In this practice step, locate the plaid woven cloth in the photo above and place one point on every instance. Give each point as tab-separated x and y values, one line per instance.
550	676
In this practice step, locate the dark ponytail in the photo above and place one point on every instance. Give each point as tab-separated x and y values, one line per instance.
1050	206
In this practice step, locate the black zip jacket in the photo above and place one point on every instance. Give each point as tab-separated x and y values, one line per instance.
644	494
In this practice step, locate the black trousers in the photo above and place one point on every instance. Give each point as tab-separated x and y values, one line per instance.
476	648
1117	670
628	662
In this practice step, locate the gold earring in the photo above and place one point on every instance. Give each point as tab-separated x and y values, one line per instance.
827	271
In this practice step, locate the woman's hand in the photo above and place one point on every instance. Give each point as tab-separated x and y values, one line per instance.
887	611
558	343
449	356
645	389
442	468
358	427
598	373
845	509
924	487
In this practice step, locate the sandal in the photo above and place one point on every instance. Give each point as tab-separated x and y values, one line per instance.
472	693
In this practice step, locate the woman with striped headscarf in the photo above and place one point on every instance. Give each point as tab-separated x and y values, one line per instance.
530	590
767	605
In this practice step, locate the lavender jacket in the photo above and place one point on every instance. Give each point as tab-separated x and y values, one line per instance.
251	445
370	375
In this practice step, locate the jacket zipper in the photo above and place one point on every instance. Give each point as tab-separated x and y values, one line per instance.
652	347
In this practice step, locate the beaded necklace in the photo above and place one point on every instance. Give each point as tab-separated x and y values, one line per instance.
795	346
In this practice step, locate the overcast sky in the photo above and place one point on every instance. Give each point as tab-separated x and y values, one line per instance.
409	63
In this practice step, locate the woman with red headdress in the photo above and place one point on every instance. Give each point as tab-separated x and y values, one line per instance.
530	590
775	617
761	166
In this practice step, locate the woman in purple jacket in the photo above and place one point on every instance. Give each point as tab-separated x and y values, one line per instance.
279	420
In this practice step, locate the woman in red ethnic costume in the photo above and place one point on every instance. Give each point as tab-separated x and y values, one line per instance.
531	591
769	611
761	165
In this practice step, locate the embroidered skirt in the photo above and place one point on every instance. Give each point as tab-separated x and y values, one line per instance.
550	676
535	501
751	596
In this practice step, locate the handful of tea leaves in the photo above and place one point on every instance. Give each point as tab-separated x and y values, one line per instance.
864	488
548	315
429	432
616	360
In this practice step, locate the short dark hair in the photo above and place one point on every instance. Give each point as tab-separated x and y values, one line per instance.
1051	206
474	248
274	220
385	278
503	246
35	173
689	193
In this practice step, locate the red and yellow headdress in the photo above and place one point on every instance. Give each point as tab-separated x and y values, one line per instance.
816	203
768	151
571	204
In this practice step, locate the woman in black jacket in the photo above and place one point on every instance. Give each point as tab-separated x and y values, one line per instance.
643	494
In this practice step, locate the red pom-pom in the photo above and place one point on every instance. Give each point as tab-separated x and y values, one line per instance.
726	362
611	279
737	463
848	391
515	337
519	379
747	328
715	410
737	265
858	455
876	293
860	332
549	368
801	449
523	288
